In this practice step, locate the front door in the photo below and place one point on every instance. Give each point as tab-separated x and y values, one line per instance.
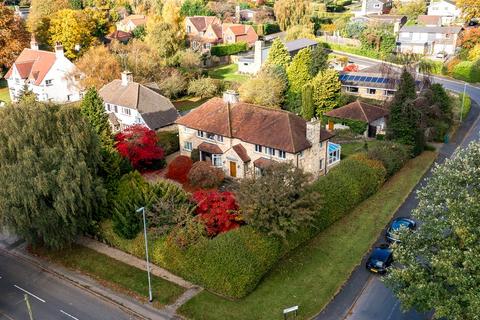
233	169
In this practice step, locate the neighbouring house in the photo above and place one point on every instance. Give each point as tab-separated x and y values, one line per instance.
428	40
47	74
252	62
377	82
129	23
447	9
203	32
22	12
256	15
234	32
374	7
373	117
243	139
397	21
128	103
429	21
118	35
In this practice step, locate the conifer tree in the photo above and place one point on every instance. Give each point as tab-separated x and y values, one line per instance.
278	55
308	108
298	72
326	91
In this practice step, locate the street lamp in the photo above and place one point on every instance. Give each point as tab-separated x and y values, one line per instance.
463	101
142	209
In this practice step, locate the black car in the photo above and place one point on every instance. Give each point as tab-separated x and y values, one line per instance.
380	259
396	225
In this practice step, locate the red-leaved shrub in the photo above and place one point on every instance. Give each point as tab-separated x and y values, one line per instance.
179	168
140	146
218	210
205	176
351	68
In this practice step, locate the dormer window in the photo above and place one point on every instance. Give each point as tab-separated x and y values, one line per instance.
219	138
49	83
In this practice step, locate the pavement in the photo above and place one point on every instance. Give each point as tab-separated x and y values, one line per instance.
364	296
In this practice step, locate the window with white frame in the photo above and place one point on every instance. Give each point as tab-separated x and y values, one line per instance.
115	109
376	5
270	151
200	133
187	146
282	154
217	160
258	148
352	89
49	82
219	138
107	106
69	97
389	93
210	136
126	111
371	91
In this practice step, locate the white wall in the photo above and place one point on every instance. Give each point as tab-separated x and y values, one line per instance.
442	8
126	120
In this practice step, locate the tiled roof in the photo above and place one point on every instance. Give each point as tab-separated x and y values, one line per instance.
136	19
263	163
119	35
241	152
202	22
210	148
429	20
360	111
156	110
253	124
33	65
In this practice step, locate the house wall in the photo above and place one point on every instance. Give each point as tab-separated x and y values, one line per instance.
190	29
309	160
380	93
442	8
126	27
380	124
125	120
427	42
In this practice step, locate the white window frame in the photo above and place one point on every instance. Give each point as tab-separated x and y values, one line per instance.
107	106
219	138
126	111
282	154
49	82
270	151
210	136
370	89
258	148
321	164
188	146
217	160
200	133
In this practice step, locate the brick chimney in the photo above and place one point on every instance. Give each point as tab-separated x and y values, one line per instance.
127	78
33	43
59	50
231	97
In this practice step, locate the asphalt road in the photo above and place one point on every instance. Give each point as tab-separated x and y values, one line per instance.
364	296
50	298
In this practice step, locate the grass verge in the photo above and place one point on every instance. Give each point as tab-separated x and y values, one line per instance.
188	103
114	274
4	94
350	148
314	273
228	73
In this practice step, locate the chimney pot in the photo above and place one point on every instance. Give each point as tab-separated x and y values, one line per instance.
127	78
231	97
59	50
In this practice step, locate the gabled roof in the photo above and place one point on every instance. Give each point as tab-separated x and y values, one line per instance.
119	35
422	29
250	123
359	111
202	22
156	110
136	19
429	20
241	152
33	65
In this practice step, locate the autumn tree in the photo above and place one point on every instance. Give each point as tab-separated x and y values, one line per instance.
326	91
98	66
39	17
48	171
266	89
470	8
440	260
163	38
292	12
13	36
411	9
73	29
470	38
203	87
300	31
278	55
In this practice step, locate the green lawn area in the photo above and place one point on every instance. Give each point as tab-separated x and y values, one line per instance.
228	73
315	272
4	94
353	147
188	103
114	274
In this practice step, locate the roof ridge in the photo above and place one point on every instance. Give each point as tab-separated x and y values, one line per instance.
290	131
363	111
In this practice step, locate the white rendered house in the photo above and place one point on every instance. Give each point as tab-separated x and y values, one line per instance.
47	74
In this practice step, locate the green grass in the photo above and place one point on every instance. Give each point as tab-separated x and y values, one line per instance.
315	272
353	147
114	274
188	103
4	94
228	73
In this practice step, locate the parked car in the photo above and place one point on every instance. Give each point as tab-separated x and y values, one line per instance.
441	55
380	259
396	225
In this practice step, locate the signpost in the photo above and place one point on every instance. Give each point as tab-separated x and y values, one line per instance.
288	311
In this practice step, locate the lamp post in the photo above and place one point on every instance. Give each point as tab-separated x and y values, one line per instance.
142	209
463	101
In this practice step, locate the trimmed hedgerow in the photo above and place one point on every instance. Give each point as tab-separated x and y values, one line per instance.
392	155
221	50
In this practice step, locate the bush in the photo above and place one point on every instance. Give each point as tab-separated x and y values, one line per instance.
169	142
205	176
135	246
174	85
179	168
228	49
467	70
203	87
269	28
195	155
392	155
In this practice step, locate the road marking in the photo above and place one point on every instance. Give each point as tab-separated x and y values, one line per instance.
68	315
393	309
36	297
6	315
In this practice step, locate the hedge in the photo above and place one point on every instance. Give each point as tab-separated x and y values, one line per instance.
392	155
269	28
168	140
228	49
467	71
358	127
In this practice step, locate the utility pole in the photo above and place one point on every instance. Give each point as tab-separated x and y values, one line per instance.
29	308
463	101
150	297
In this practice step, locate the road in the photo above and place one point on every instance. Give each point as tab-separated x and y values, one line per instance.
50	298
364	296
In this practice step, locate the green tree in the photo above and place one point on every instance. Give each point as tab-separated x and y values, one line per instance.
440	260
308	108
406	88
93	109
298	72
278	55
14	36
203	87
281	210
292	12
442	99
76	4
326	91
266	89
194	8
48	171
411	9
163	39
470	8
319	60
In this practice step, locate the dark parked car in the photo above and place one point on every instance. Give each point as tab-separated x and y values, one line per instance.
380	259
396	225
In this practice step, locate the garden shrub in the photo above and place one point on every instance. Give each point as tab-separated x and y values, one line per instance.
204	87
135	246
467	70
220	50
269	28
195	155
392	155
179	168
205	176
169	142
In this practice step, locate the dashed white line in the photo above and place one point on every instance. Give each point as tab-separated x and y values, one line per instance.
29	293
68	315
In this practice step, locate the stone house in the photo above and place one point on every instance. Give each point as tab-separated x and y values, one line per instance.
129	23
374	117
428	40
243	139
47	74
128	103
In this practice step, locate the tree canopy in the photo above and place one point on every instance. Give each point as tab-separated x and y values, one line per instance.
326	91
278	55
470	8
48	171
99	67
298	72
266	89
13	36
292	12
440	260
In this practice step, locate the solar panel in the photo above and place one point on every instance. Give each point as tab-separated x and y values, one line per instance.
350	78
343	76
357	78
362	78
385	81
369	79
379	80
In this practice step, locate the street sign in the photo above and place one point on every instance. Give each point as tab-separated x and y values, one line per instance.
290	310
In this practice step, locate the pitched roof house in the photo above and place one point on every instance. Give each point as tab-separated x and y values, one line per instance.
445	8
374	7
129	23
118	35
374	117
243	139
46	74
428	40
233	33
129	103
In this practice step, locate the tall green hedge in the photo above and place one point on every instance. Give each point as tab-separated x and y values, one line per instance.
467	70
221	50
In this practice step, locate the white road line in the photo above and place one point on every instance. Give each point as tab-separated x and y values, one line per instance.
393	309
36	297
68	315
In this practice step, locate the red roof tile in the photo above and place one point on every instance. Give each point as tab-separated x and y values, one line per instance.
360	111
210	148
33	64
242	152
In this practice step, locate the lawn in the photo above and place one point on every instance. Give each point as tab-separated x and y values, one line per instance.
114	274
316	271
188	103
4	94
228	73
350	148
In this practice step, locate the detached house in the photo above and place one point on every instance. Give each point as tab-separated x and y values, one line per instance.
233	33
128	103
129	23
428	40
447	9
243	139
46	74
378	7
